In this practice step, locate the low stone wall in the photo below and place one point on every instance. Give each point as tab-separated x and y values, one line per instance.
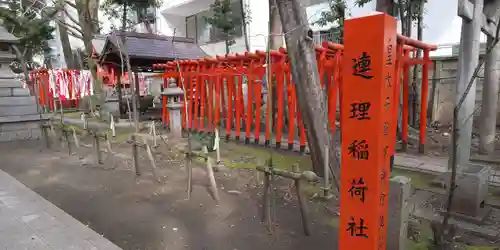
29	130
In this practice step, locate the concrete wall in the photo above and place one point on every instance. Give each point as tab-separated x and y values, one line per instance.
20	131
446	70
175	12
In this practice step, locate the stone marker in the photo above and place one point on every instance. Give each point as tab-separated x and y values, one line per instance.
399	212
471	191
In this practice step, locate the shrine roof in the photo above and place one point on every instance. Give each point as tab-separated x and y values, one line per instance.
154	47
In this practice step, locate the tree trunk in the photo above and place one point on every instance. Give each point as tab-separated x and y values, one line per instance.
66	46
228	50
341	11
415	90
386	6
244	19
86	12
133	83
143	18
310	96
402	17
93	6
276	27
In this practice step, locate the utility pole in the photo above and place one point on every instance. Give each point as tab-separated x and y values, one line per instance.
310	96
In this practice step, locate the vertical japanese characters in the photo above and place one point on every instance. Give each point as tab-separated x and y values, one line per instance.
367	90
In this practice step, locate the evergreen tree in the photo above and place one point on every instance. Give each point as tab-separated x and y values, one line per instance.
120	10
23	18
334	15
225	20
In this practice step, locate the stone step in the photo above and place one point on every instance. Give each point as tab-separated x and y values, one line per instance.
17	101
20	118
16	126
4	92
10	83
22	134
18	110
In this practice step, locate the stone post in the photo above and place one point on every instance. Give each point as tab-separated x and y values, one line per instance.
175	118
467	61
488	118
399	212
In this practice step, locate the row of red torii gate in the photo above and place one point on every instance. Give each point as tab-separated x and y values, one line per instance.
234	81
369	75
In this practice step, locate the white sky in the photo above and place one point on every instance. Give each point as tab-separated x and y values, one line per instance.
441	23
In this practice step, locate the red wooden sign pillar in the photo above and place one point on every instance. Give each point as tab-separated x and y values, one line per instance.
369	62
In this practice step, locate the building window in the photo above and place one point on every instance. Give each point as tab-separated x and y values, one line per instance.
198	28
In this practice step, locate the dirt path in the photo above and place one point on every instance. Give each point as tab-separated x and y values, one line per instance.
142	214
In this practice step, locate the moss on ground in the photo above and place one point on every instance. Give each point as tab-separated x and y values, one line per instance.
418	179
425	238
481	248
237	155
122	134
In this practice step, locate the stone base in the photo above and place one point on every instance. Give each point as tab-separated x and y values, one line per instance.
471	191
20	131
479	219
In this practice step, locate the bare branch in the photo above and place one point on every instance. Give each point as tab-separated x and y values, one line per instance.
70	4
73	34
77	33
25	51
70	27
71	18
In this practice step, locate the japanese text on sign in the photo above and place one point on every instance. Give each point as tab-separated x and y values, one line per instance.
357	228
359	150
362	65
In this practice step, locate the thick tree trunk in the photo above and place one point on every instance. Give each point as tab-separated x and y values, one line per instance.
66	46
386	6
87	11
310	96
93	6
276	27
416	86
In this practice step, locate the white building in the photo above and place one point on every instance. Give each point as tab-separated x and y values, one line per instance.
187	18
